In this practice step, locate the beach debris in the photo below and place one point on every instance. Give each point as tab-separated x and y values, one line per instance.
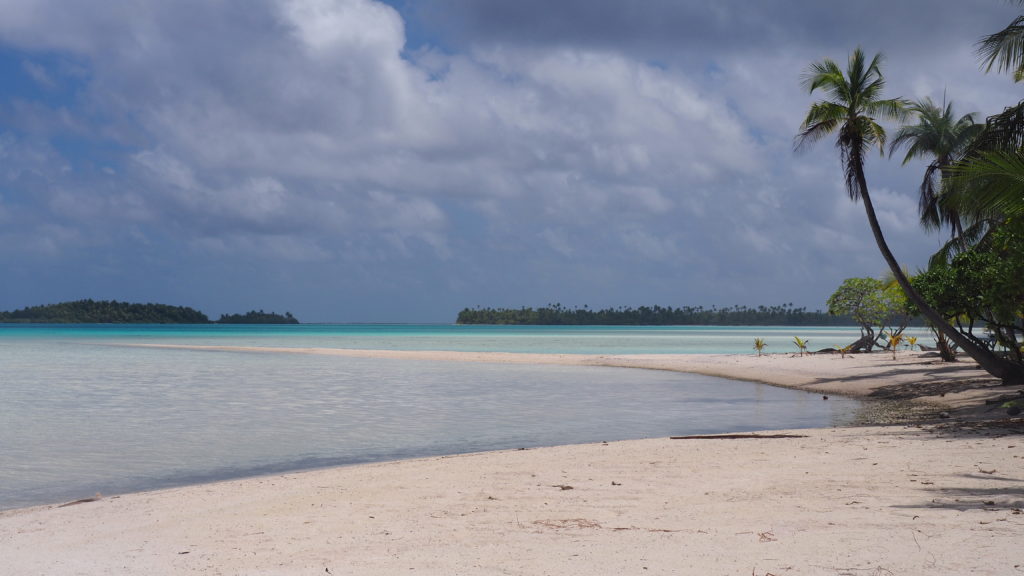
614	483
562	486
735	436
98	496
578	523
823	397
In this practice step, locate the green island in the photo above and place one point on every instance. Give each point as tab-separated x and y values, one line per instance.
114	312
556	314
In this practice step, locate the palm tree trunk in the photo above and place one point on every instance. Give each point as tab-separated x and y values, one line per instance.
1007	371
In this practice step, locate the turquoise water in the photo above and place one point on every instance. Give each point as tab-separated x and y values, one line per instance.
542	339
80	413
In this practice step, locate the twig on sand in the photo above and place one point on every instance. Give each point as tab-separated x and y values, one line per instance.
82	501
735	436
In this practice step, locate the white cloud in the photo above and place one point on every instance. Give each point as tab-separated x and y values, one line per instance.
39	74
300	130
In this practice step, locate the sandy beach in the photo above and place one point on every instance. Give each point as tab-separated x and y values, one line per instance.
923	498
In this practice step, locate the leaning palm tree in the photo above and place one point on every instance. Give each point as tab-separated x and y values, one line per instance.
853	102
938	135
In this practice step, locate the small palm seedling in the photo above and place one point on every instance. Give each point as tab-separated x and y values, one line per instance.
894	342
912	341
759	345
801	344
844	350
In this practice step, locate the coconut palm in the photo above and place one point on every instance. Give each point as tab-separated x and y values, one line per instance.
853	102
1004	50
938	135
990	181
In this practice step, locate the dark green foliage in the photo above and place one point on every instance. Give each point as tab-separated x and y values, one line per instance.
871	302
556	314
105	312
114	312
254	317
982	287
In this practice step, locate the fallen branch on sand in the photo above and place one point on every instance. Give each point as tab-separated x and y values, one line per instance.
735	436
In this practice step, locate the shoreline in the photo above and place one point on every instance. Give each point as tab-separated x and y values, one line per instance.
926	498
915	376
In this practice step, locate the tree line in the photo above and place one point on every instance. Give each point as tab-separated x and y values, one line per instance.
114	312
556	314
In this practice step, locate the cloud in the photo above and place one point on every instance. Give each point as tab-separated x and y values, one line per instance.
589	146
39	74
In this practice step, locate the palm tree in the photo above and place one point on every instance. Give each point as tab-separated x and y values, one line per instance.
852	104
938	134
1004	50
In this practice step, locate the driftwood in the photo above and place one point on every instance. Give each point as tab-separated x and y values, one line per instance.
863	344
735	436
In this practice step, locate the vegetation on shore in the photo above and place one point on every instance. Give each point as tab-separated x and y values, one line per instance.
872	303
556	314
974	185
254	317
114	312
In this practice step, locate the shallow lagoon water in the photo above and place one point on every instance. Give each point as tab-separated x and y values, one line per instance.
474	338
81	414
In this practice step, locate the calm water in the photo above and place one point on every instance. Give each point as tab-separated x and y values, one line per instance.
544	339
80	414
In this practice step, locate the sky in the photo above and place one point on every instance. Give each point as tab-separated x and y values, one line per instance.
363	161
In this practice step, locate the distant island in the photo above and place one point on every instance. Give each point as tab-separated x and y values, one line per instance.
556	314
254	317
114	312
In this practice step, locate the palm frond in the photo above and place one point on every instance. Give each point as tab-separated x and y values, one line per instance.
973	235
989	184
1004	50
1003	131
890	109
822	119
928	200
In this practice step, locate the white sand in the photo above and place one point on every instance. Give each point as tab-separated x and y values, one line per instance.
873	501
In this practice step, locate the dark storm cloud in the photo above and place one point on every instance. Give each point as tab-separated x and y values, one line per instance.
671	28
